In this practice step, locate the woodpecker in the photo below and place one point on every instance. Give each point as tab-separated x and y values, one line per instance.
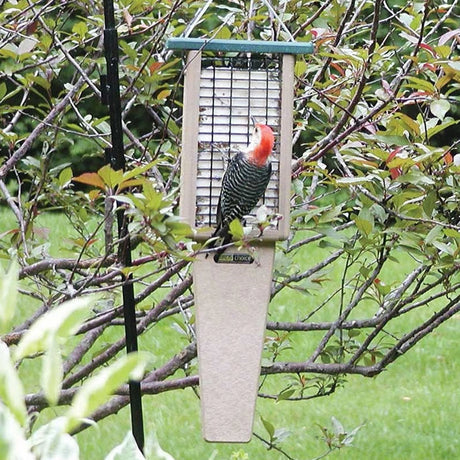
244	182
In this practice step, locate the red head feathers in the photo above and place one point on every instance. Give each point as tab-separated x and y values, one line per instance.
261	145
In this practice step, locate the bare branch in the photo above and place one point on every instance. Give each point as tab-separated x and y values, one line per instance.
54	112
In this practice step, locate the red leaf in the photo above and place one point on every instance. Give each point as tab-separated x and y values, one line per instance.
392	154
419	93
338	68
394	172
429	66
31	27
448	158
428	48
90	179
154	66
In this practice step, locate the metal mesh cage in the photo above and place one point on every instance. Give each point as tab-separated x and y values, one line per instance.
232	90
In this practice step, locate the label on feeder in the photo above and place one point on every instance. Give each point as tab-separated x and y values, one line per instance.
235	258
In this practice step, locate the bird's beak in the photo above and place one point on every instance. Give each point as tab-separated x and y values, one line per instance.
254	121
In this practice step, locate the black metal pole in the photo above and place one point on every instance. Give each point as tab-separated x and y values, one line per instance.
116	156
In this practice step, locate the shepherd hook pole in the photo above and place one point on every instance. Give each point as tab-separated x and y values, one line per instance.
115	156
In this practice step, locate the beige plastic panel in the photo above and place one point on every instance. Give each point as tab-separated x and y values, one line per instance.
232	299
231	302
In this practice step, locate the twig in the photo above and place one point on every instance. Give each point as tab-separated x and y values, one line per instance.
116	347
337	324
19	216
273	446
312	18
68	264
54	112
308	273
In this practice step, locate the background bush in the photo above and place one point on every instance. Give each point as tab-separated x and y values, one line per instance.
375	192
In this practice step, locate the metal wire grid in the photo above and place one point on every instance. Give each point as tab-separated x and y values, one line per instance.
232	90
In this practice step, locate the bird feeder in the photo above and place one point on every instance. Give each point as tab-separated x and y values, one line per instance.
226	83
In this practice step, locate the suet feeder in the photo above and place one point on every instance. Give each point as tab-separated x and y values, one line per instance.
228	82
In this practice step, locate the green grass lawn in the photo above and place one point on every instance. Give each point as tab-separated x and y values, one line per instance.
409	412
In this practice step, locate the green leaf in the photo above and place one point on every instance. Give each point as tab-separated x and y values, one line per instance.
177	227
406	123
127	450
346	55
439	108
41	81
392	139
354	333
300	67
97	389
80	29
433	234
57	324
420	84
429	203
13	444
9	50
379	213
443	247
331	214
448	121
239	454
270	429
415	177
298	187
139	170
364	226
365	221
451	233
153	197
2	90
110	177
236	229
52	372
65	176
285	394
8	296
51	442
76	128
11	389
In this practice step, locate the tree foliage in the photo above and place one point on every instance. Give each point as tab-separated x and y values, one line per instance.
375	185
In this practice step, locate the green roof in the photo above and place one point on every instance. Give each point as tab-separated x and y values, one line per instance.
248	46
